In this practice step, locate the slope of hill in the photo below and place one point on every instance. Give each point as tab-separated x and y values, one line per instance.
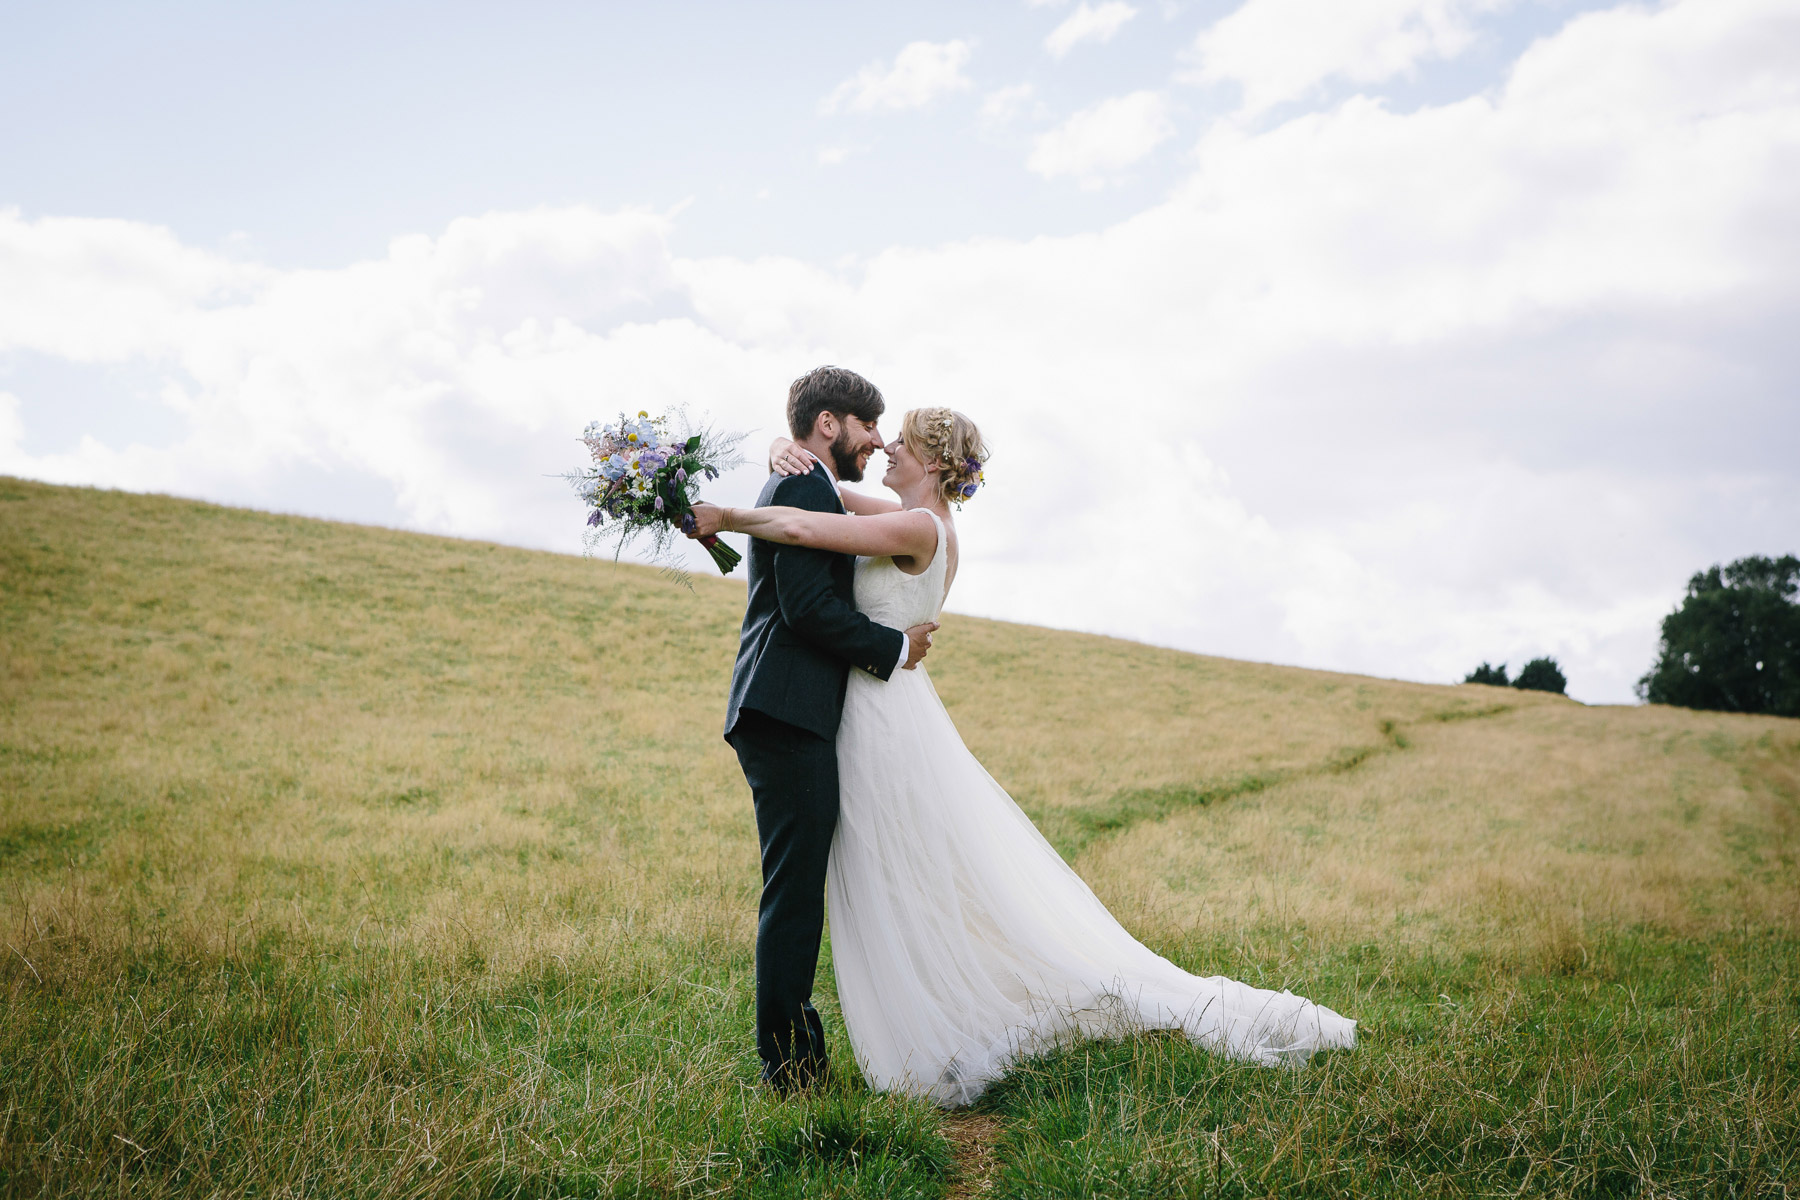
338	860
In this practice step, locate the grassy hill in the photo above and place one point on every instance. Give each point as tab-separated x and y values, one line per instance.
337	861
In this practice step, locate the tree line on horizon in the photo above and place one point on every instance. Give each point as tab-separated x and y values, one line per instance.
1731	645
1538	675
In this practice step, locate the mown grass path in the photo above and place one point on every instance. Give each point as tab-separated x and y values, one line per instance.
973	1140
1072	830
342	862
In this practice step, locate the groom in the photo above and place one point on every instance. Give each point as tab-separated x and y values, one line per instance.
801	636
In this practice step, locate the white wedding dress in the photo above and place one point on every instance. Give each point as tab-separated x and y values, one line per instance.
961	940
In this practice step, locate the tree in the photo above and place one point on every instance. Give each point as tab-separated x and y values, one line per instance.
1734	642
1538	675
1541	675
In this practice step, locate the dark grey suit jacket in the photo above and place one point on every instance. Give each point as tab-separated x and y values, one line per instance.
802	633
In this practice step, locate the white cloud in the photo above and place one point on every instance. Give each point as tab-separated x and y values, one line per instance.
1282	50
12	428
921	72
836	156
1374	391
1095	23
381	368
1105	138
1002	106
103	290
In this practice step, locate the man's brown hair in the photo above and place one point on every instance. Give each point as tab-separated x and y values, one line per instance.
832	390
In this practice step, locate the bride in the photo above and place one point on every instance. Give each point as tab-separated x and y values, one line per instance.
961	940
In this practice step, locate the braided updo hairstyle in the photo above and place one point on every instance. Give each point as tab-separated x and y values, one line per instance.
949	439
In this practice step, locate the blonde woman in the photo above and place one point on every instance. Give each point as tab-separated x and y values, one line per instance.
960	938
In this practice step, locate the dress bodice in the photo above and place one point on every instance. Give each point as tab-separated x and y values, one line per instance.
891	597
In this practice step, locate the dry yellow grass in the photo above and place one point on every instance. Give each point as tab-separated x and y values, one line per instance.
278	722
319	727
1516	832
270	745
1068	719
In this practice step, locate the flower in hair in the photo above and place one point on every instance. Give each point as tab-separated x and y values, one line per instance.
971	467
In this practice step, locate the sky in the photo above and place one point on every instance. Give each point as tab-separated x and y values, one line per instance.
1384	336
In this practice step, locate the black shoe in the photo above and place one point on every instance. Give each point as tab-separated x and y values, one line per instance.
798	1076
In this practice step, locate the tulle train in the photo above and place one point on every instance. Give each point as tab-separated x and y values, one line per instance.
962	941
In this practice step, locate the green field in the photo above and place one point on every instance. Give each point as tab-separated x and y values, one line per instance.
342	862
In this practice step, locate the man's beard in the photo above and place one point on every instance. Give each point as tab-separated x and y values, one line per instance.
846	456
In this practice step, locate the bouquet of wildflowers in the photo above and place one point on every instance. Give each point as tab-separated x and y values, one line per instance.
645	479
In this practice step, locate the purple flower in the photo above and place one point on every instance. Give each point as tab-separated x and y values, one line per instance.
968	489
594	518
687	522
711	473
659	504
680	474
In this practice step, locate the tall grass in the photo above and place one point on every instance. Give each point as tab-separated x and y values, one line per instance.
336	861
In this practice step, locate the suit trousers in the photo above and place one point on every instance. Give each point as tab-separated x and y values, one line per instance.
793	777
